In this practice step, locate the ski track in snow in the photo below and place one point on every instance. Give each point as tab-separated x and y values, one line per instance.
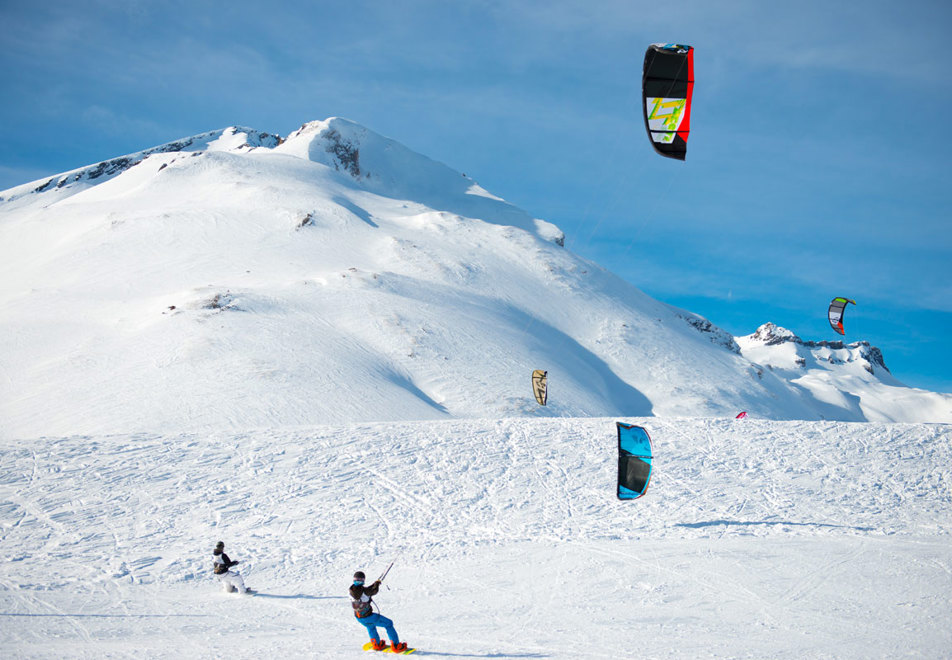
756	539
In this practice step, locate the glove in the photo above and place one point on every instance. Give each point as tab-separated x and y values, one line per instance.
377	583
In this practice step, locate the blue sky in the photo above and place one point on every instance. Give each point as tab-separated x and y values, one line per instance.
818	163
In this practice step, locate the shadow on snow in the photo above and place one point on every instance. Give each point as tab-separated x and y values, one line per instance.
104	616
749	523
300	596
481	655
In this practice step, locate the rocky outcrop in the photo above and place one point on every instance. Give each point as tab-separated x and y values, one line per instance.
773	335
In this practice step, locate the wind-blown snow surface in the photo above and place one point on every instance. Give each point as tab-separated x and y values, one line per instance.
235	280
756	539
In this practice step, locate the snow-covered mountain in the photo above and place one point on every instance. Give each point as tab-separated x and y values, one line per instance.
236	280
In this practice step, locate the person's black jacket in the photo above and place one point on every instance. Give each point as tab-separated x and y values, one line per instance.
361	598
223	563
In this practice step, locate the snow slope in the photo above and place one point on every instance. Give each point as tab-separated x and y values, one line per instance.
237	280
756	538
840	377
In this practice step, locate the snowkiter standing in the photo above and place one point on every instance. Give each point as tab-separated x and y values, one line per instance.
361	598
230	580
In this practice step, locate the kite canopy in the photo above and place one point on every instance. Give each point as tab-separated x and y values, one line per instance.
741	415
837	306
667	84
634	461
540	386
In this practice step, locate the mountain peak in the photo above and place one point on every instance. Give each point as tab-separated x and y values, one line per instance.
386	167
772	334
335	142
781	349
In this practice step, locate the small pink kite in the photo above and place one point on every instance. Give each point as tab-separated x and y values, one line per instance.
741	415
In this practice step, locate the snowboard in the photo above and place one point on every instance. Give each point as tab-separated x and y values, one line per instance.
389	649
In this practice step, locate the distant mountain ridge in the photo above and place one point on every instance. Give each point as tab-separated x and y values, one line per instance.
237	279
231	138
773	335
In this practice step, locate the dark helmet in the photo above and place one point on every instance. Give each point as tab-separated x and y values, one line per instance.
359	575
220	544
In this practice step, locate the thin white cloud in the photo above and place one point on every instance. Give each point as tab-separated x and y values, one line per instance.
12	176
107	122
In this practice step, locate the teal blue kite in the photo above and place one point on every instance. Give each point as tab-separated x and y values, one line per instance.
634	461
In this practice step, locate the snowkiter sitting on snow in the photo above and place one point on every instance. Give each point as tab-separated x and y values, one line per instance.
362	601
231	581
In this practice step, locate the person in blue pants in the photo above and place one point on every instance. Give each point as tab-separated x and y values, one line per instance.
361	598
